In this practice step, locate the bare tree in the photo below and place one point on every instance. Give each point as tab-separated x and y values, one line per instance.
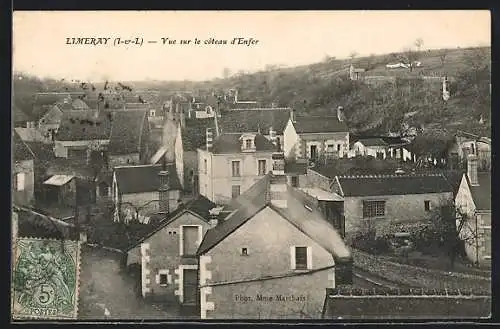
419	42
442	56
409	56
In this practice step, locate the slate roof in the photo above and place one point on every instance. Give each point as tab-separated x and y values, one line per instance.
20	151
82	125
126	131
231	143
250	120
373	142
144	178
200	206
481	194
318	124
311	223
378	185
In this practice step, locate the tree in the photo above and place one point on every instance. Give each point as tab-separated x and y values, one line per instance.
409	56
353	55
442	56
452	228
419	42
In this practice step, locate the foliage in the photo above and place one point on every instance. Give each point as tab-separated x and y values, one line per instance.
367	241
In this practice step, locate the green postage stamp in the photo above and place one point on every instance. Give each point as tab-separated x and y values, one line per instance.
45	279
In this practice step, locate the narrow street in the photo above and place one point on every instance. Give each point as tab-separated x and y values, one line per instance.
108	292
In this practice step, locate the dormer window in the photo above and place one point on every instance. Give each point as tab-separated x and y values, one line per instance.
247	143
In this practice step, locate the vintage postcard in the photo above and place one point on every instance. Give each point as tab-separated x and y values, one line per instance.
242	165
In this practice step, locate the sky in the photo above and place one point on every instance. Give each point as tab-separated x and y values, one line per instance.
289	38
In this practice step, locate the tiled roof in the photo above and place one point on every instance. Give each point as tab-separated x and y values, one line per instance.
231	143
82	125
482	194
144	178
200	206
20	150
379	185
454	178
318	124
372	142
309	222
241	121
126	131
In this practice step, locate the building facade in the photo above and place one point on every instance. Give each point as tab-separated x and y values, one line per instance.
316	137
23	174
167	254
385	203
232	164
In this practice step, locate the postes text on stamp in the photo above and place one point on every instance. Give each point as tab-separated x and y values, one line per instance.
45	279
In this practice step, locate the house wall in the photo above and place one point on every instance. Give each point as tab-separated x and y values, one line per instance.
26	196
398	209
124	159
269	239
322	140
220	180
165	258
476	231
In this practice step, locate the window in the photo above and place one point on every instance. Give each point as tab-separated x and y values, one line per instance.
244	251
236	168
427	205
329	148
262	167
338	148
205	165
152	113
235	191
20	181
295	181
373	209
163	279
248	143
301	258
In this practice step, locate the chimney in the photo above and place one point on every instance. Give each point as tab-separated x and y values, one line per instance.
340	113
209	139
278	186
213	216
472	169
292	115
163	191
236	96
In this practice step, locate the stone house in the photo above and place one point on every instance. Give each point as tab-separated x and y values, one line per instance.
137	191
272	257
23	177
81	131
315	137
129	138
386	203
231	164
167	254
473	202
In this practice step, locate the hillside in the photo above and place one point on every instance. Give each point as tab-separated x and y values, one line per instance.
370	107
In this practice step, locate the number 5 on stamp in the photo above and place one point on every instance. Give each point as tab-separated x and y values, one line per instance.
45	280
